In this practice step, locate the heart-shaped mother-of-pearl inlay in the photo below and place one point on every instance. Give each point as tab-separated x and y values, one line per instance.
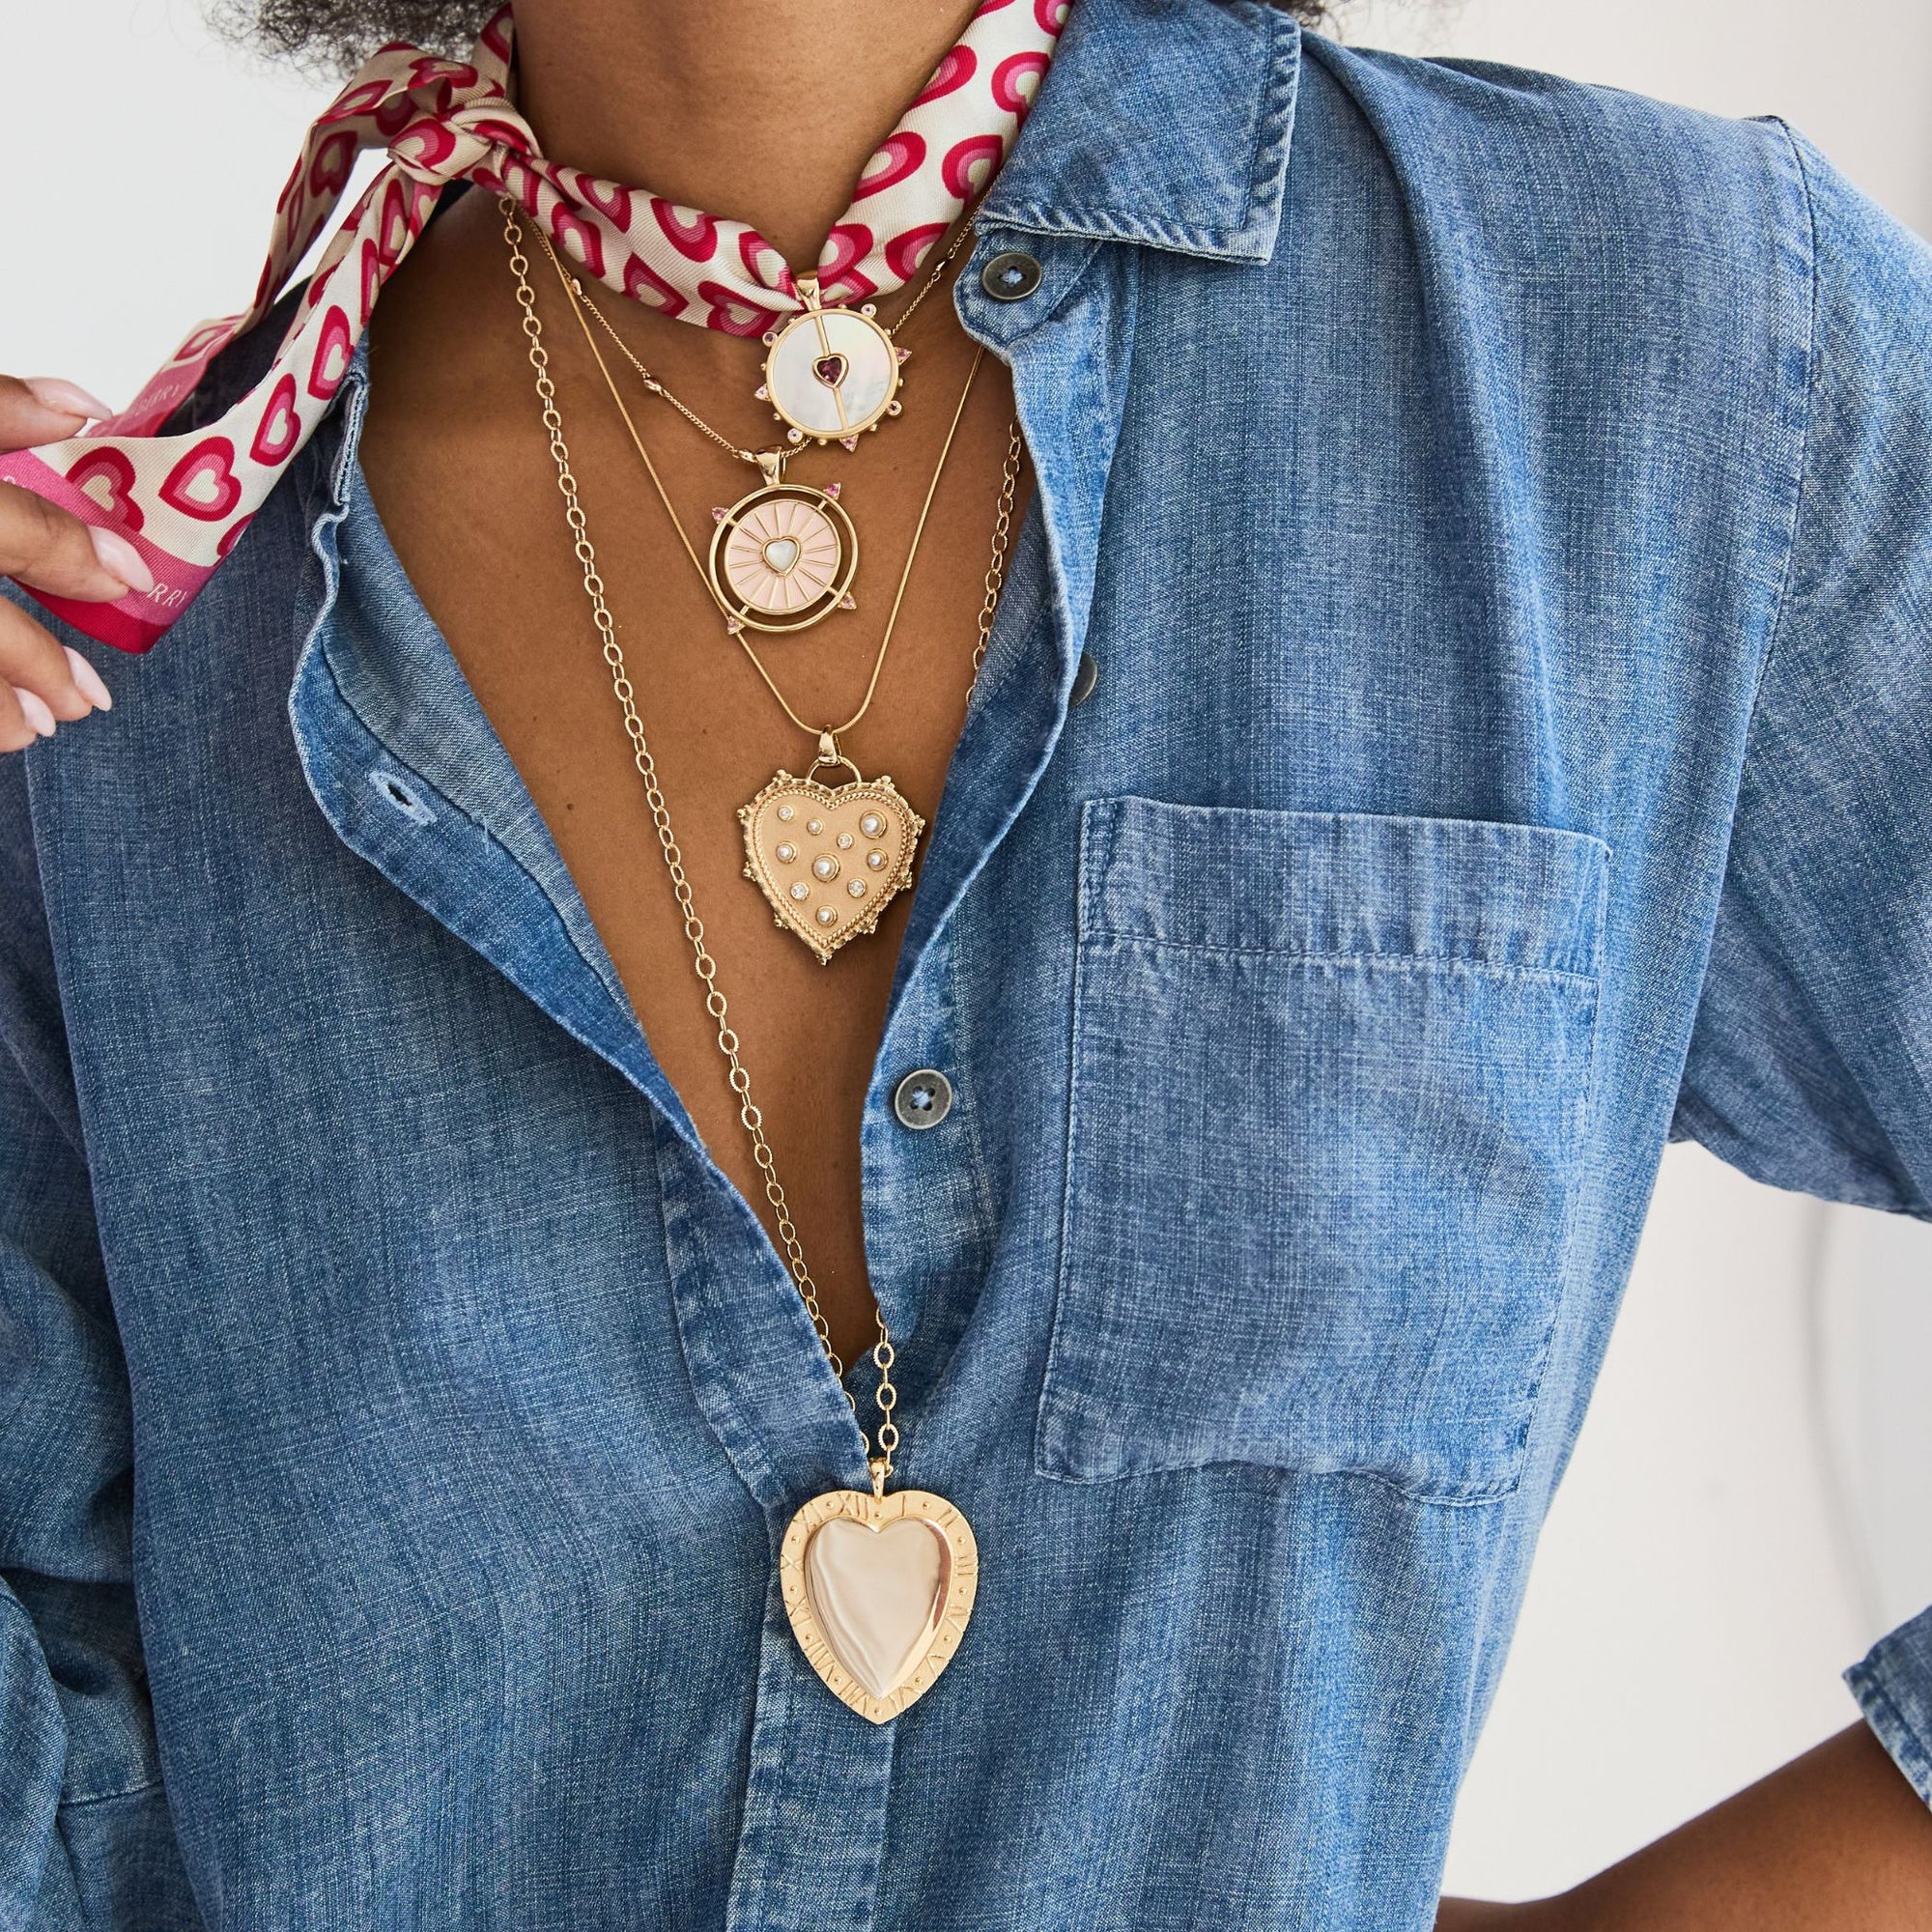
879	1590
830	859
780	554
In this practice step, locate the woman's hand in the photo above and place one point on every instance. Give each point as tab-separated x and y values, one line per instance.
42	682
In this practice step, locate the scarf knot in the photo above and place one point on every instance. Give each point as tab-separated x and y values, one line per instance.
184	500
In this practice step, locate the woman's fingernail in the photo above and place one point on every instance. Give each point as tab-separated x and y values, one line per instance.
88	678
119	556
56	392
36	708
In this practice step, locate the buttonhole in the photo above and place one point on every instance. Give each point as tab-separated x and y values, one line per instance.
402	797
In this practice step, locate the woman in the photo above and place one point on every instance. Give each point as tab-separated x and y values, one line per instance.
1450	716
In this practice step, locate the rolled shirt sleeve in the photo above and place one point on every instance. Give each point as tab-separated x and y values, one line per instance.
1811	1066
1893	1687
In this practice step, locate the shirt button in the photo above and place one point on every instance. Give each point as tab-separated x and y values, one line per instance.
922	1099
1085	678
1010	278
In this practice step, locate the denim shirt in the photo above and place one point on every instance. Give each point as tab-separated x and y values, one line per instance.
1498	513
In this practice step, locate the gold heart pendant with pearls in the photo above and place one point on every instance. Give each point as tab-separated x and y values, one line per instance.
879	1590
830	858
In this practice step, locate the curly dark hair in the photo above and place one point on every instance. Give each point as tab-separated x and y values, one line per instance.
333	35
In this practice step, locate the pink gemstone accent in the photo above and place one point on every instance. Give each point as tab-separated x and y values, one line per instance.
718	514
831	489
831	369
848	443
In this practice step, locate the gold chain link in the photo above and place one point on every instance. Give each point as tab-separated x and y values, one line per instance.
886	1437
996	570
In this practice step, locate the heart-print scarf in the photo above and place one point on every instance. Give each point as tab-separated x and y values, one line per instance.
184	500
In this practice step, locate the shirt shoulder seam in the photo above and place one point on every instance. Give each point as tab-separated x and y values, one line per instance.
1801	474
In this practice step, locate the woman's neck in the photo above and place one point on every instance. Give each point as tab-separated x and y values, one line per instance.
761	110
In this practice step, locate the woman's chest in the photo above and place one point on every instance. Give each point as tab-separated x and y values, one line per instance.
758	955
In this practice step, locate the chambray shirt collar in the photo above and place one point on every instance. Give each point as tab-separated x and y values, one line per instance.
1187	154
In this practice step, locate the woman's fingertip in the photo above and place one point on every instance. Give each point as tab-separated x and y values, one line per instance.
33	708
88	680
118	554
65	398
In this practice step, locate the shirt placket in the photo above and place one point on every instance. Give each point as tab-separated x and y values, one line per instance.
813	1849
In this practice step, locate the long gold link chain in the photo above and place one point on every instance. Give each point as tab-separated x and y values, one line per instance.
886	1437
1003	527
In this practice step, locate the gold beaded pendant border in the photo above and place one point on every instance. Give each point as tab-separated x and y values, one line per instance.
875	1511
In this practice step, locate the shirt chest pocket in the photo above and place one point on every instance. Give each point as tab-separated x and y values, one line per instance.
1331	1081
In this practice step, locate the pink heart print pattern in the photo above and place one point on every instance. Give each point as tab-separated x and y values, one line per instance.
202	484
184	500
106	476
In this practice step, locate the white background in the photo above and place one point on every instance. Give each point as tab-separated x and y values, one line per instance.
1751	1501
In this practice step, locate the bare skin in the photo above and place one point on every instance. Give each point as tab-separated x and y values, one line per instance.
1837	1841
701	99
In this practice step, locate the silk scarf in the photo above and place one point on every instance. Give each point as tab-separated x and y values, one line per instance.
184	500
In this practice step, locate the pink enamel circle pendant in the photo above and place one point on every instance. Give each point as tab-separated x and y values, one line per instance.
784	557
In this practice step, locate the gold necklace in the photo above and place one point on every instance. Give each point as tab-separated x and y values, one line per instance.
785	554
657	387
832	373
828	859
879	1588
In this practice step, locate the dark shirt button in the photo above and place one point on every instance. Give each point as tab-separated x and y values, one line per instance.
922	1099
1084	679
1010	278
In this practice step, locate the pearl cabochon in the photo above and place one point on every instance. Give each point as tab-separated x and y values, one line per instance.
878	1594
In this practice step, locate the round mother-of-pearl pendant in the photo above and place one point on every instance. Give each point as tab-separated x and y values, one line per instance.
831	374
784	557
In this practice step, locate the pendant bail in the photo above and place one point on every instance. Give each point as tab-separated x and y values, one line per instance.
773	463
829	754
881	1469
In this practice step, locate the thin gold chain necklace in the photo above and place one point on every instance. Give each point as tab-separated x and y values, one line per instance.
785	553
657	387
879	1587
828	859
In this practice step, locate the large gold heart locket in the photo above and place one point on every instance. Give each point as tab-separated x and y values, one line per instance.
879	1590
830	858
